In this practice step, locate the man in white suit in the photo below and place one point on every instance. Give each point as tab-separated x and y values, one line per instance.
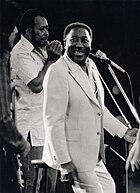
75	115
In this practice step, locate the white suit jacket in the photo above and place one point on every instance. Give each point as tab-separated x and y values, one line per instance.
74	119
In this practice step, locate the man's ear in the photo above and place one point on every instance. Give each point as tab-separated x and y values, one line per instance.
29	32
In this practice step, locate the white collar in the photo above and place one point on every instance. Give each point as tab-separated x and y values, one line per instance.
27	44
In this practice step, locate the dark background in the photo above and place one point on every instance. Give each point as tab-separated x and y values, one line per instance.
116	28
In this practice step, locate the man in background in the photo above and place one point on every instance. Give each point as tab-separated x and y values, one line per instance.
30	58
11	141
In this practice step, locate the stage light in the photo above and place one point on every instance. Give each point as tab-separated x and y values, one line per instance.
115	90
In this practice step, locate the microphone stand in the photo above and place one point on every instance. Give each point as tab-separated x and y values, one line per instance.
127	124
133	110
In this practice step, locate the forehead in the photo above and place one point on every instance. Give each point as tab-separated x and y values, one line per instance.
40	21
79	32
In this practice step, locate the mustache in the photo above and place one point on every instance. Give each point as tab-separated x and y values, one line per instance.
82	49
79	49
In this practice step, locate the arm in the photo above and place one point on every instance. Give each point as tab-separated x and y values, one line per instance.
30	71
134	155
55	112
54	53
55	106
8	130
115	127
69	173
11	135
112	125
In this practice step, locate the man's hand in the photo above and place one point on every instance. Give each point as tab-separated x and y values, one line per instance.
134	157
69	173
130	135
54	50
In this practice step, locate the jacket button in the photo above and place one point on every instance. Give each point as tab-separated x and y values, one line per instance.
54	158
98	133
99	114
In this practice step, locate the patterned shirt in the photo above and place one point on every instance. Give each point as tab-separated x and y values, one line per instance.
8	130
4	87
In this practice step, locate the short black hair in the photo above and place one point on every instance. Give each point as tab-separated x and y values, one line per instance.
9	18
71	26
27	19
10	15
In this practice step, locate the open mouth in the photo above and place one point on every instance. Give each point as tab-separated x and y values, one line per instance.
44	40
79	53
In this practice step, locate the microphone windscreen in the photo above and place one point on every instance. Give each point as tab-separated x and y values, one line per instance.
101	55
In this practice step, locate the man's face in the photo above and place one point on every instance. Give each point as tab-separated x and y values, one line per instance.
40	33
12	37
78	45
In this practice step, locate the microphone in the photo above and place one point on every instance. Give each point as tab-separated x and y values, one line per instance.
100	55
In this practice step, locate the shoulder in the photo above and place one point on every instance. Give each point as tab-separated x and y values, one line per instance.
19	48
22	47
57	70
60	65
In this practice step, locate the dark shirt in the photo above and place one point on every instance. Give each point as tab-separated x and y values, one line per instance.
4	87
11	141
8	131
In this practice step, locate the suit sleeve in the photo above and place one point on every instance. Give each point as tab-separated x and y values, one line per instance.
110	123
113	125
54	111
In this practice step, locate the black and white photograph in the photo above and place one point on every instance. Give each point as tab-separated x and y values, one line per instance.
69	96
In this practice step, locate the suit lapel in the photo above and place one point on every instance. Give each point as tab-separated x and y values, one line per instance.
77	74
99	85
